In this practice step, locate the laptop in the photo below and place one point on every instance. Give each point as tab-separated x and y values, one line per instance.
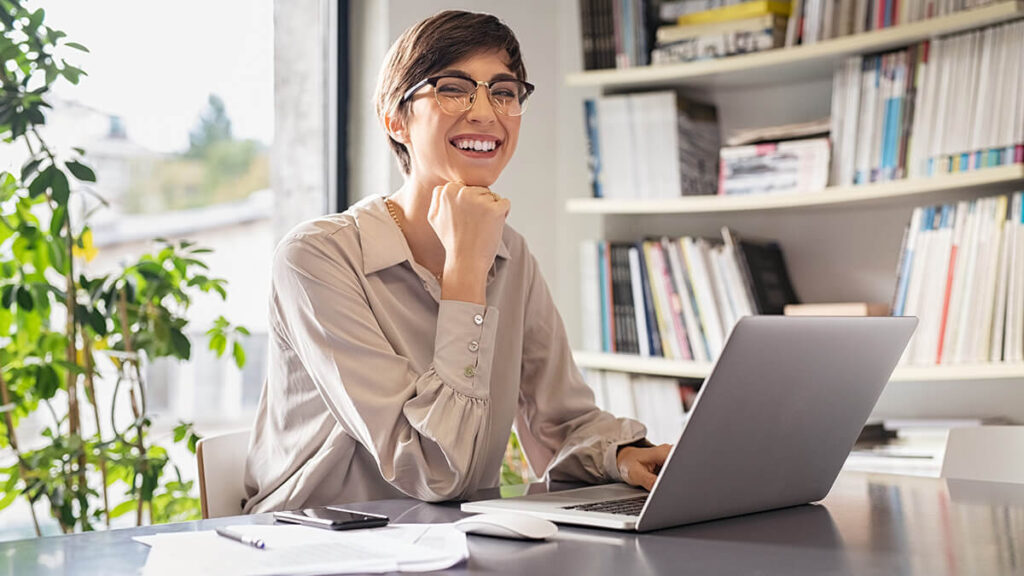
770	428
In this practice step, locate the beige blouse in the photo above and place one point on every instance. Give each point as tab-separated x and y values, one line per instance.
379	389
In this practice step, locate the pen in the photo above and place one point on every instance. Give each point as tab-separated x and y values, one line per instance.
247	540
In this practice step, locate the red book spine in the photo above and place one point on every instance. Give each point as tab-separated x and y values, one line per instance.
945	303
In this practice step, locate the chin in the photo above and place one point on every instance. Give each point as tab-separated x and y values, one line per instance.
485	178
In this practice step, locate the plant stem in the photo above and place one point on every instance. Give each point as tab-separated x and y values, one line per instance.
71	298
122	311
12	439
90	391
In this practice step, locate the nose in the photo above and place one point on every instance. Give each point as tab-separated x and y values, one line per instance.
482	111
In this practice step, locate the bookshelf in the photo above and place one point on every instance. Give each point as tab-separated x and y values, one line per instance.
796	64
906	193
681	369
850	224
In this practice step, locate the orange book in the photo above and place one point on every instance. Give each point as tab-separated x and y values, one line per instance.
838	309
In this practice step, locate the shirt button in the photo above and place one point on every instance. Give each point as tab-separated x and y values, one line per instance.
470	372
478	319
474	346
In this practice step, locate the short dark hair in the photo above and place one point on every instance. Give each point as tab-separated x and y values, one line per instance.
431	46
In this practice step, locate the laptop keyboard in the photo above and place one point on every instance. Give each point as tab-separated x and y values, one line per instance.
625	507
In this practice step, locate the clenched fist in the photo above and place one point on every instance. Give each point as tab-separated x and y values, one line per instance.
468	220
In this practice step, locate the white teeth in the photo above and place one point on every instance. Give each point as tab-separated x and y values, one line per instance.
478	145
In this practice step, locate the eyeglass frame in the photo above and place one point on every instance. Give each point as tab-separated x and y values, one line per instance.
433	80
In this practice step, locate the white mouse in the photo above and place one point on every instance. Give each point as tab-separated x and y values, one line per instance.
516	526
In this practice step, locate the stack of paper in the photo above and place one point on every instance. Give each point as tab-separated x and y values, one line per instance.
306	551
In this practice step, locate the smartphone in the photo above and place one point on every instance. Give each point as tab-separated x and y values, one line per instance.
332	518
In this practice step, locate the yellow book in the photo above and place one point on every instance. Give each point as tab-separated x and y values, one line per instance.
736	12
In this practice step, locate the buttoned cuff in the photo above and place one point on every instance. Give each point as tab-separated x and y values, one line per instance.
464	346
637	433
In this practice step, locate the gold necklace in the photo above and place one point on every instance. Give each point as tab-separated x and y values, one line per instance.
394	216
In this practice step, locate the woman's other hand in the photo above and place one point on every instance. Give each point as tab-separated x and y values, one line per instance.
640	466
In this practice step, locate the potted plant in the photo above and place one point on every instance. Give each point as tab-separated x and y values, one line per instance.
64	333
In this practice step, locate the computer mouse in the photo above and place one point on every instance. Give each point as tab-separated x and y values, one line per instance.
515	526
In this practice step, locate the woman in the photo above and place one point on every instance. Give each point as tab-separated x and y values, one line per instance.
408	332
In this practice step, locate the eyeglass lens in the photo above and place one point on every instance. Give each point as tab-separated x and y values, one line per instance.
456	95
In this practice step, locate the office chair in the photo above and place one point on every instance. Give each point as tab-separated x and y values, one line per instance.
989	453
221	466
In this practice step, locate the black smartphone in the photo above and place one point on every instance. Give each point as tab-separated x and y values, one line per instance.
332	518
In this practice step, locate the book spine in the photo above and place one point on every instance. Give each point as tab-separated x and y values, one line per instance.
593	147
653	335
639	308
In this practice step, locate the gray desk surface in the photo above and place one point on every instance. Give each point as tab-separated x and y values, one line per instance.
868	524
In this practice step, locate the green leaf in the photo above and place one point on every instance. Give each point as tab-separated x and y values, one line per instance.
242	330
8	498
47	382
79	151
98	322
239	354
25	300
29	169
179	432
77	46
180	344
218	343
124	508
41	182
81	171
57	221
8	294
60	187
193	438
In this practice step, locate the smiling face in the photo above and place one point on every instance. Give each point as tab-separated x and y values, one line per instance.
472	147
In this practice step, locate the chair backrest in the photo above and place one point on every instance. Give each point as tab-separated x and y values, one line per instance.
990	453
221	468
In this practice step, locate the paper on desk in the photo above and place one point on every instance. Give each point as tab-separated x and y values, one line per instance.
302	550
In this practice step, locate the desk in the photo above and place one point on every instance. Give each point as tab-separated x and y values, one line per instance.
868	524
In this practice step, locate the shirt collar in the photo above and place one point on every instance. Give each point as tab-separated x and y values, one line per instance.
383	244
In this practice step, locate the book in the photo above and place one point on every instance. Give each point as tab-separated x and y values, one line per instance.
639	307
947	105
593	147
736	12
653	333
718	45
590	300
678	298
764	268
791	166
651	145
669	34
838	309
957	274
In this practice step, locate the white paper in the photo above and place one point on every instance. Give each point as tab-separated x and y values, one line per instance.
302	550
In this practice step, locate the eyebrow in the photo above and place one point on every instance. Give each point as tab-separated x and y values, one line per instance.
457	72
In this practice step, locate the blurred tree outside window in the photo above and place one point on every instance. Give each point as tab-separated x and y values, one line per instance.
176	119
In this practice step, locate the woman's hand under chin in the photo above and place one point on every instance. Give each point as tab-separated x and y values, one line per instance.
468	220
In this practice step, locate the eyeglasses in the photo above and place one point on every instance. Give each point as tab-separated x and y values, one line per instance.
456	94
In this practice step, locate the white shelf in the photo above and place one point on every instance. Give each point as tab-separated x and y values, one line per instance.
684	369
908	192
800	63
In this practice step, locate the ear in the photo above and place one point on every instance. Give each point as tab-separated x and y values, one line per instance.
396	129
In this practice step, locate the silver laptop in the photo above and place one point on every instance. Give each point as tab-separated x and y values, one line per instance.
771	427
